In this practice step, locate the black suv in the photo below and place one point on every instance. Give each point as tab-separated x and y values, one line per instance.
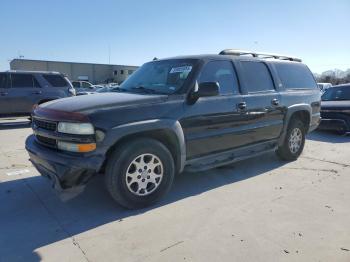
21	90
184	113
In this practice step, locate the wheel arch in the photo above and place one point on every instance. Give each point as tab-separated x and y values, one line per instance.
167	132
301	111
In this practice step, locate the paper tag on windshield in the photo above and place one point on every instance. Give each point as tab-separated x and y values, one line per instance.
181	69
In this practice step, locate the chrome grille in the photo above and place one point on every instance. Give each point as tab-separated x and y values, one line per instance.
47	125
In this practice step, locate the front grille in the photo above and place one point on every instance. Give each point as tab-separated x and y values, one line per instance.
47	125
46	141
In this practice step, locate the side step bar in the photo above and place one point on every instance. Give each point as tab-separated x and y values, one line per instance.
228	157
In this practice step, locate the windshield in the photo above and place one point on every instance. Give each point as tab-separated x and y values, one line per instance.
163	77
337	93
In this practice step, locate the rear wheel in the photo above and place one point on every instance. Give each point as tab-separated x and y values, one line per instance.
139	173
293	144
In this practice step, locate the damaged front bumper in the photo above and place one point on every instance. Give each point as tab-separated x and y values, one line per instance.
334	124
69	173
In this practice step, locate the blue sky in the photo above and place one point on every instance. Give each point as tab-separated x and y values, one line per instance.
137	31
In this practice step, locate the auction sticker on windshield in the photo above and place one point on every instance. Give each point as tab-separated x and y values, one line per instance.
181	69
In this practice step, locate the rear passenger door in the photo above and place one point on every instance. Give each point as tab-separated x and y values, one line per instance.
25	91
261	101
213	124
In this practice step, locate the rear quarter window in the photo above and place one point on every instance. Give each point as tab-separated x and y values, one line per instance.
55	80
295	76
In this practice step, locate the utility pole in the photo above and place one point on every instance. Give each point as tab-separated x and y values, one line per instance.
109	54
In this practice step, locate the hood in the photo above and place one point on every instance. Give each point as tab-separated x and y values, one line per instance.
335	105
90	103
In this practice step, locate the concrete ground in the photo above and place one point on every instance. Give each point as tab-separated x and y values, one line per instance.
256	210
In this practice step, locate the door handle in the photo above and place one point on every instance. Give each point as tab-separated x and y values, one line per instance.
275	102
242	105
3	94
37	93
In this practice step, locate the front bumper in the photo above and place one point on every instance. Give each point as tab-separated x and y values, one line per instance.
69	173
334	124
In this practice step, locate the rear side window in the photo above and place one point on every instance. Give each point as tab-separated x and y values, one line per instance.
3	80
76	84
23	80
221	72
86	85
55	80
257	76
295	76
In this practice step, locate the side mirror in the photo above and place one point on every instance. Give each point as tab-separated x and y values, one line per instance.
208	89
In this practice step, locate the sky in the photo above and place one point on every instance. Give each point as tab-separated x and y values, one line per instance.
133	32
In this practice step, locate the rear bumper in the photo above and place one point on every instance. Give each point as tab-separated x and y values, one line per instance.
68	173
334	124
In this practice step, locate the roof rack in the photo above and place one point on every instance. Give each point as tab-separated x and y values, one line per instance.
31	71
238	52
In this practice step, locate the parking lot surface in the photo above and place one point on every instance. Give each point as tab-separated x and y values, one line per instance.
260	209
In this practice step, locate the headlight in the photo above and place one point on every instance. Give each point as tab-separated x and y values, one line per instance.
76	128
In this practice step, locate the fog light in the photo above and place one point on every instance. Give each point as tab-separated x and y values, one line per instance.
73	147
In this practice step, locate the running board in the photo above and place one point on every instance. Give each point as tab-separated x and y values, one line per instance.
228	157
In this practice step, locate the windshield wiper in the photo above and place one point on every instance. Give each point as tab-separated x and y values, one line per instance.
118	89
144	89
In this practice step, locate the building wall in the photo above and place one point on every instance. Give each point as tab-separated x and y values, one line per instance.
95	73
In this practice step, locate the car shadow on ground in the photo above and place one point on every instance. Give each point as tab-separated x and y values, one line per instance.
328	136
33	217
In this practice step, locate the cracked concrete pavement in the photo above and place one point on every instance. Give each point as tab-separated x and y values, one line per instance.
260	209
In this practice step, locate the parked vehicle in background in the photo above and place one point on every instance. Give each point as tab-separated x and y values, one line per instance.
85	88
185	113
107	89
324	86
113	84
335	109
21	90
82	84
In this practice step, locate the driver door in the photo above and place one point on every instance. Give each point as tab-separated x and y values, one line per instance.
213	124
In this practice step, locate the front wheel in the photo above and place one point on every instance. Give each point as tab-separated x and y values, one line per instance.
139	173
293	144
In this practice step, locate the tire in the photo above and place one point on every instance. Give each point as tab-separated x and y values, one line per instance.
132	188
291	150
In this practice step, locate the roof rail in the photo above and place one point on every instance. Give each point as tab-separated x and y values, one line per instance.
238	52
31	71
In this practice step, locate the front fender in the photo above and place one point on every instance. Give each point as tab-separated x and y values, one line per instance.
118	132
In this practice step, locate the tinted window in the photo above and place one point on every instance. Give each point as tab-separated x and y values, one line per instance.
86	85
257	76
76	84
35	82
22	80
221	72
295	76
3	80
130	72
55	80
